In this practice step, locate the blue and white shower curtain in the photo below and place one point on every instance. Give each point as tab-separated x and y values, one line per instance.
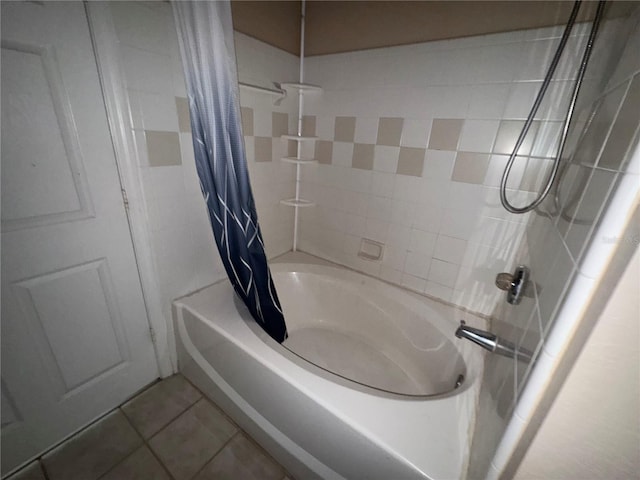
205	34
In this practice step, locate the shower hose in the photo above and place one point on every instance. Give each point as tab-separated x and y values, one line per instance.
536	104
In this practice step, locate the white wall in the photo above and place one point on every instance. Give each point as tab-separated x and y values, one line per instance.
593	427
185	253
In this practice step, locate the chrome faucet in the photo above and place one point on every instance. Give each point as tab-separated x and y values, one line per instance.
492	342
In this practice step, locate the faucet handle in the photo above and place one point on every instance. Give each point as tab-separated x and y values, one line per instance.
504	281
513	284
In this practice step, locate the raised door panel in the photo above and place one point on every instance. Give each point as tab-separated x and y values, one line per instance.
43	181
74	322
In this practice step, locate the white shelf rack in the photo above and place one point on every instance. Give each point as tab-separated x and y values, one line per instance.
298	138
302	89
297	202
299	161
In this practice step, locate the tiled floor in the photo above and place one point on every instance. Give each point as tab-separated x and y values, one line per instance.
167	432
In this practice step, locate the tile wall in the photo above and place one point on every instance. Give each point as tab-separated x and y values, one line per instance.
413	141
562	242
185	253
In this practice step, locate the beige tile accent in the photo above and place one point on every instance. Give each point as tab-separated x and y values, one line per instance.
345	129
411	161
93	451
33	471
324	151
158	405
470	167
163	148
141	465
263	149
184	119
247	121
363	156
309	125
279	124
242	459
389	131
191	440
445	133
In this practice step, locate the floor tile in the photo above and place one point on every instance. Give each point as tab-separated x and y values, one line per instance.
241	459
140	465
190	441
33	471
157	406
93	451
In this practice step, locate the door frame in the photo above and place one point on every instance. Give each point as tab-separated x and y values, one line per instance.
116	100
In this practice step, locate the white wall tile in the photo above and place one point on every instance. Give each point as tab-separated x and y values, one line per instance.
376	229
443	273
385	159
521	98
158	111
146	71
417	264
394	257
450	249
422	242
438	164
382	184
342	154
415	133
478	135
489	101
140	26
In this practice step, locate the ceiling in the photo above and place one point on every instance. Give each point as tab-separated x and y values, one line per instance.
342	26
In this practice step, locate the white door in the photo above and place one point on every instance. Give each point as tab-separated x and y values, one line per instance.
75	336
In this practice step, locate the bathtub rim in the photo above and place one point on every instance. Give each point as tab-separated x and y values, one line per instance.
469	355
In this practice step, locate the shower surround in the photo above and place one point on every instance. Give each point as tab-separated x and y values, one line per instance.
413	142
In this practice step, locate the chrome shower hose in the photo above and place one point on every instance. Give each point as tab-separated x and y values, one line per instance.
570	111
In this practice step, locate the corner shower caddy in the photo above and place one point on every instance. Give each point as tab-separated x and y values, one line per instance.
302	88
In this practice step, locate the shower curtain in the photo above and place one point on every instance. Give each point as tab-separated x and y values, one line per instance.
205	34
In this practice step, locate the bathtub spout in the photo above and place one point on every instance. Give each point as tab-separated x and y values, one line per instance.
492	342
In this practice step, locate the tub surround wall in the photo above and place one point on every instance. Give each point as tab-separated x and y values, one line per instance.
185	254
413	141
569	247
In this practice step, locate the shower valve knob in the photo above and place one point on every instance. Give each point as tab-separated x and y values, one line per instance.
513	284
504	280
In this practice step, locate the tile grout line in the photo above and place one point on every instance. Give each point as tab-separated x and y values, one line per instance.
123	459
215	454
146	443
168	422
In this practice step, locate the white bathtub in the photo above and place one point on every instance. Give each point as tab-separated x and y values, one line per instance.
380	400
